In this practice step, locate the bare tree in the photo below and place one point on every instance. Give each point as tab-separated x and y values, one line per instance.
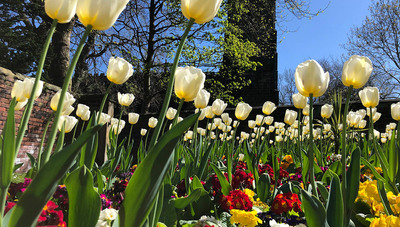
378	38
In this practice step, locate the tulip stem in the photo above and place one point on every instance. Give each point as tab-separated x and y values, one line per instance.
129	137
311	149
103	102
178	112
168	94
299	126
3	197
344	153
67	80
29	105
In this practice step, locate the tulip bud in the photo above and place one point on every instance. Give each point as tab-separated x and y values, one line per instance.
252	124
143	132
369	96
152	122
306	110
69	122
362	124
235	124
180	119
104	118
299	101
202	11
62	10
259	119
209	112
269	120
133	118
356	71
268	108
125	99
242	111
311	79
68	110
68	101
101	14
326	111
202	98
218	107
395	111
188	82
306	119
119	70
290	116
171	112
82	110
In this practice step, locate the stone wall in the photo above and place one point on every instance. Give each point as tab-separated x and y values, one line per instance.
39	117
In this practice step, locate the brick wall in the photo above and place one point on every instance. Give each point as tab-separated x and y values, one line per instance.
39	117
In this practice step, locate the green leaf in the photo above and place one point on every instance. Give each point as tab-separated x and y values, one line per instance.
84	201
263	187
393	158
385	201
146	181
181	203
323	190
45	183
353	183
60	140
334	206
7	157
89	150
225	186
100	181
314	210
376	174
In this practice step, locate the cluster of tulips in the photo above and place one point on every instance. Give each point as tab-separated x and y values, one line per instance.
201	170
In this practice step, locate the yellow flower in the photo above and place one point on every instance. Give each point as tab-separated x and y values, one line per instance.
245	218
385	220
250	194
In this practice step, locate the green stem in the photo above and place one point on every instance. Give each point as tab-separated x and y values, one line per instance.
29	105
311	149
178	112
344	153
300	127
103	102
168	94
53	133
39	157
3	196
129	137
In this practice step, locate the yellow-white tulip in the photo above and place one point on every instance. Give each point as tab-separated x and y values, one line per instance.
306	110
69	122
209	112
369	111
242	111
218	107
133	118
68	101
259	119
299	101
82	111
376	117
251	124
119	70
20	105
290	116
17	91
202	98
171	112
62	10
28	86
217	121
369	96
143	132
268	107
125	99
152	122
101	14
104	118
326	111
395	111
311	79
269	120
356	71
188	82
117	126
202	11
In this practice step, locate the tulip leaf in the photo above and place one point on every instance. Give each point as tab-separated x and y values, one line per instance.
322	189
84	201
376	174
181	203
384	199
225	186
314	210
145	183
7	156
45	183
334	206
352	183
204	160
393	158
89	150
263	187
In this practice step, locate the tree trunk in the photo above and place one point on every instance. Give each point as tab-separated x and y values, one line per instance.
61	49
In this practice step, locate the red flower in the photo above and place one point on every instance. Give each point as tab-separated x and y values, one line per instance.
236	200
286	202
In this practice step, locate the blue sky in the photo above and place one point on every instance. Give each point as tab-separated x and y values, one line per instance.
322	35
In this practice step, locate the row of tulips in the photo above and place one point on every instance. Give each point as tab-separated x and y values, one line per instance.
191	173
